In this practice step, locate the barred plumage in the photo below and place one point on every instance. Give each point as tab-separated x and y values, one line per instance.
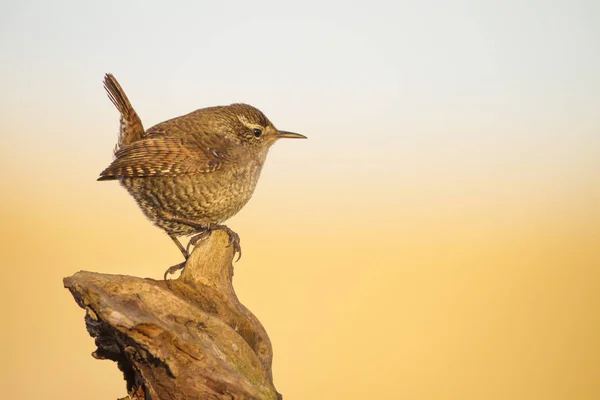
191	173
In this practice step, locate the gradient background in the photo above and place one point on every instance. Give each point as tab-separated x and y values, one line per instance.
437	237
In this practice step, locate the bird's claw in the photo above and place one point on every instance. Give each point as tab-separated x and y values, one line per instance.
197	238
236	246
234	239
174	269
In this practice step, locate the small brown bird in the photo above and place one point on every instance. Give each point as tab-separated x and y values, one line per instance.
191	173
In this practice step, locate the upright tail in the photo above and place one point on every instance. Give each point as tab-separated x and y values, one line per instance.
131	128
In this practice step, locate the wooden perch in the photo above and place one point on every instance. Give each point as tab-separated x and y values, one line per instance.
188	338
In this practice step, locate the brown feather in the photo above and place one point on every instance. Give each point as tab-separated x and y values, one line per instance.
131	128
194	170
159	155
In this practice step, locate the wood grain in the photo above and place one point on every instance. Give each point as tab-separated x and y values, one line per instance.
188	338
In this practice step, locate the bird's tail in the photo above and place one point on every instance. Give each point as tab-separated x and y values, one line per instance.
131	128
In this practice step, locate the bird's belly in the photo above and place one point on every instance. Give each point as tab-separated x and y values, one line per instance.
201	198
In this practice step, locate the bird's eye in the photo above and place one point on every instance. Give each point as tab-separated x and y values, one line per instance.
257	132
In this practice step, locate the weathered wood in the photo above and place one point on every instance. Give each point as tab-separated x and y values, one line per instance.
188	338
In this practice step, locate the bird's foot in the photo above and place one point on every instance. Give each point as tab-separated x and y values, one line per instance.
174	269
197	238
204	230
234	238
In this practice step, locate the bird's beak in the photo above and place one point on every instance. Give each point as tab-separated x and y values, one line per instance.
291	135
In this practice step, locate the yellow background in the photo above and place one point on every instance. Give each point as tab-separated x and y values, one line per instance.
437	237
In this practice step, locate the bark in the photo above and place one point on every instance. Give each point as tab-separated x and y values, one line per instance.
188	338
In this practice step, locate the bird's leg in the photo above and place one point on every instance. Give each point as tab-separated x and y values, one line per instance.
183	250
179	266
204	230
234	238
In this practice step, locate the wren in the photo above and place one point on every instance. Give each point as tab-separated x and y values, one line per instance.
191	173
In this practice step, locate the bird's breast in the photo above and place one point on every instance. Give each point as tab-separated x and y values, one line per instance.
202	197
221	194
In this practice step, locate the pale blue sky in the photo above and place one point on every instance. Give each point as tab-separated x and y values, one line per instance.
383	87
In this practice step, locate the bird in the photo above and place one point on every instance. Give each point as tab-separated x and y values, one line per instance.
191	173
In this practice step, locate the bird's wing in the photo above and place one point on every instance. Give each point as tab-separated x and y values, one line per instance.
160	155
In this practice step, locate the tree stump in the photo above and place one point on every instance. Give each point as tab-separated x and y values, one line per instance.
188	338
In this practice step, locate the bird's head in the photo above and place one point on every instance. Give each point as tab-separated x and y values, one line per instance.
253	128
